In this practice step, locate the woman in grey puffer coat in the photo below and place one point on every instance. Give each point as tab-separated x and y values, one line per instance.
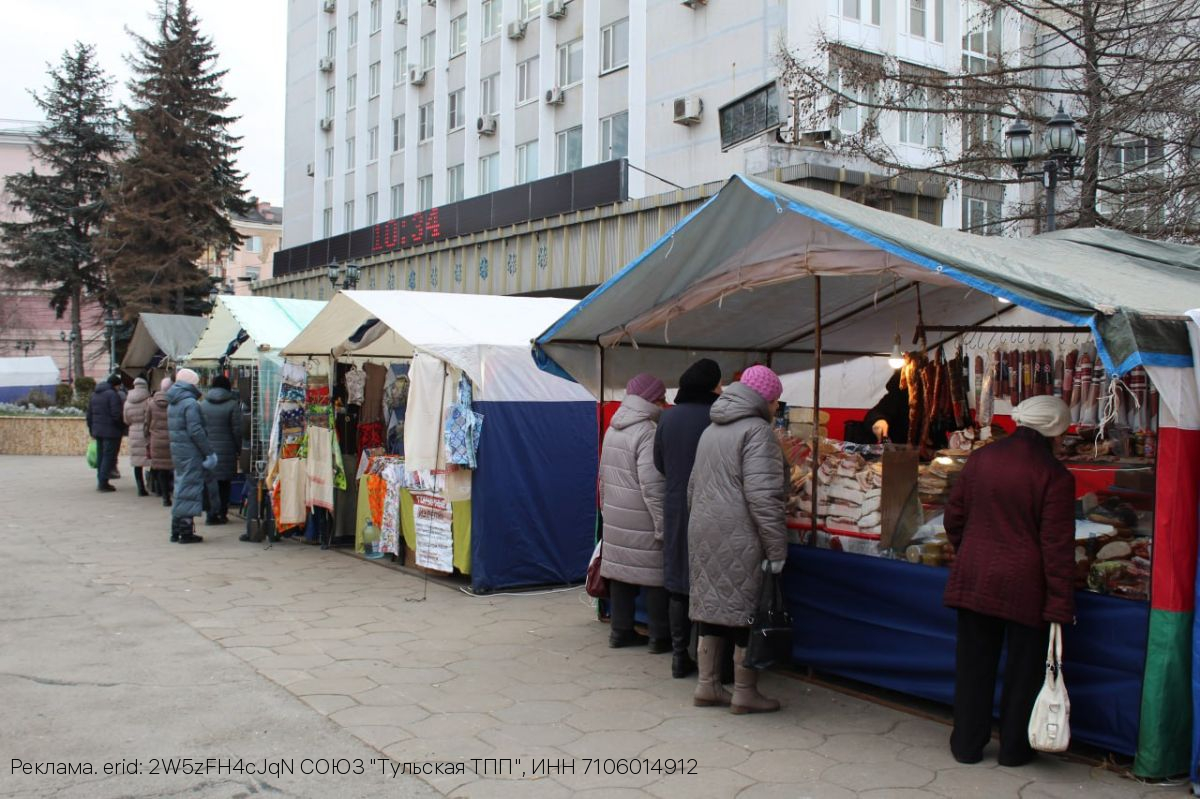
631	500
191	453
736	530
223	417
135	419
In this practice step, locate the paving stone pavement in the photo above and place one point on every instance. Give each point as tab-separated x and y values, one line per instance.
426	673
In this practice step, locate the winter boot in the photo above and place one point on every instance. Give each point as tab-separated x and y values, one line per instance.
746	698
682	664
141	482
619	639
709	691
176	529
187	532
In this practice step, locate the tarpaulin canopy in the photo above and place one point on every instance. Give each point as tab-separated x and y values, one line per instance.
485	336
19	376
734	281
174	335
270	323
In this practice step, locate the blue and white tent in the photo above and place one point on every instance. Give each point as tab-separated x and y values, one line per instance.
533	493
19	376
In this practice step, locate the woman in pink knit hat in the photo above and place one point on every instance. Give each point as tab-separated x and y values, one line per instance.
736	531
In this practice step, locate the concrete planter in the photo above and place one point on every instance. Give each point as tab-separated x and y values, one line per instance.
46	435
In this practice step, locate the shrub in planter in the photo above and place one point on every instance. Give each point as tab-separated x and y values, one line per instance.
38	399
63	394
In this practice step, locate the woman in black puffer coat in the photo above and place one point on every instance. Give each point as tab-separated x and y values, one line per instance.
223	417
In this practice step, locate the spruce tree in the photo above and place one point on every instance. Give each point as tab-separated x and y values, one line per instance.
60	202
177	189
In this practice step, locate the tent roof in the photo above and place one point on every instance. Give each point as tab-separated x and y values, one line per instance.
464	330
38	370
174	335
734	281
269	321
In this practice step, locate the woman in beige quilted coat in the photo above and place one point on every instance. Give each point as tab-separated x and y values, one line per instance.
631	500
737	530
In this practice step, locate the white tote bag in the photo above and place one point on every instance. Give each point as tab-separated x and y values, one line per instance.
1049	726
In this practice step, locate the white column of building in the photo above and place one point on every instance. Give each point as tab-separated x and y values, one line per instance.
548	67
591	83
506	103
471	94
638	46
412	104
362	119
387	50
441	102
320	137
337	135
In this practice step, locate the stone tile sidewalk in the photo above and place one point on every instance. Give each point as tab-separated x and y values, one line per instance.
426	673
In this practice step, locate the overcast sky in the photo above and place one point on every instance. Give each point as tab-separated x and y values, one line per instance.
250	39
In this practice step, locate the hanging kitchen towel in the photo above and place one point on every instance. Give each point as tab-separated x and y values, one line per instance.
291	491
319	468
423	414
1049	724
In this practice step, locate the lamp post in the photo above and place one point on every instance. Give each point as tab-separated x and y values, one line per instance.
69	338
348	275
110	329
1062	143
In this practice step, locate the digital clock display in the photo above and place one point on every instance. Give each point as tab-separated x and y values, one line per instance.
422	227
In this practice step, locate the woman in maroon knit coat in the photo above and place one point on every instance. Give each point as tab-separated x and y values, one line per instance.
1011	518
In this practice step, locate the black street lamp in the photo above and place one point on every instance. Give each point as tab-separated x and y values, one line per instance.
348	275
69	339
110	328
1063	145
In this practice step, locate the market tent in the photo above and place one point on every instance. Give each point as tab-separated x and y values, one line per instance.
172	335
269	322
738	281
533	493
19	376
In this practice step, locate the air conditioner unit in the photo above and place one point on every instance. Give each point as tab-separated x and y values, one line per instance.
330	6
556	9
687	110
486	125
309	169
402	15
555	96
516	30
416	76
431	2
820	136
327	123
693	3
326	64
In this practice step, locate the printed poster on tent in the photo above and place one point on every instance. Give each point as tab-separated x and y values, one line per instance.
435	537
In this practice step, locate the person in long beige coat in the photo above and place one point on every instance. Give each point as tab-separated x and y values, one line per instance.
631	501
135	419
158	440
737	530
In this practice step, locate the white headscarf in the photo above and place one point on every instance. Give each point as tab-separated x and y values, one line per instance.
1050	416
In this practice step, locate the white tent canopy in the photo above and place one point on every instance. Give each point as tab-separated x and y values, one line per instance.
487	337
174	335
270	322
37	371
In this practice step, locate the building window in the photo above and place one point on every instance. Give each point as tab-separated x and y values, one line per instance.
458	35
527	81
454	184
530	9
614	45
330	101
427	50
981	38
373	80
916	17
1137	154
852	114
373	144
456	117
398	133
350	153
253	244
331	42
614	136
922	123
351	91
397	200
854	9
372	208
352	30
939	20
399	66
488	87
328	161
327	223
981	216
425	193
251	273
489	173
376	16
425	122
527	162
491	19
348	216
570	63
568	154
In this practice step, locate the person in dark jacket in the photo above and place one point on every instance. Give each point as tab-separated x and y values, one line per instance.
106	424
158	443
223	418
889	418
191	453
1011	519
675	444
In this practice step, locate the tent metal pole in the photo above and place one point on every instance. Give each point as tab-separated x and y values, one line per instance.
816	419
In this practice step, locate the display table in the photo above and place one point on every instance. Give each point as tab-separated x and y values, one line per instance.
882	622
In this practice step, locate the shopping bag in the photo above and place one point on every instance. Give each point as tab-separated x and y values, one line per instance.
1049	724
93	454
770	627
596	586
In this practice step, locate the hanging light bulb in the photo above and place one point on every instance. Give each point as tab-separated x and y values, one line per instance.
896	359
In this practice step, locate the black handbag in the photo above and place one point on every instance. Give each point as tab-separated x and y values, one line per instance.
770	627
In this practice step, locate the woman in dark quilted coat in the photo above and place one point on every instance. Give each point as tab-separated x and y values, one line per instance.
223	417
736	530
1011	518
158	443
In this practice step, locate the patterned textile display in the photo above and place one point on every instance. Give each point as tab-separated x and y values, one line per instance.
389	531
319	468
370	435
463	428
356	381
